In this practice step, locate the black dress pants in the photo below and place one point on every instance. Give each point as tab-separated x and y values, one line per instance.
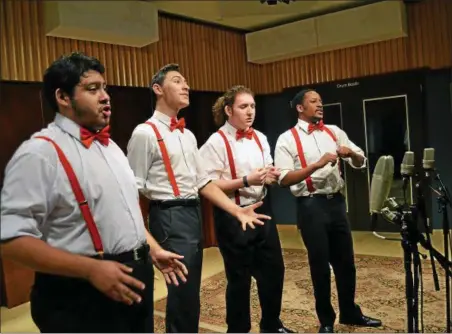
176	225
326	233
251	253
69	305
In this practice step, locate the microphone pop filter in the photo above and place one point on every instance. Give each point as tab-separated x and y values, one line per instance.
381	182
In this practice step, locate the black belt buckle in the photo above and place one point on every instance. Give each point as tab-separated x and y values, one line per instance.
329	196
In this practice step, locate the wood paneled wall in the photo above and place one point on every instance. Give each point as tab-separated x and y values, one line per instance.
429	44
214	59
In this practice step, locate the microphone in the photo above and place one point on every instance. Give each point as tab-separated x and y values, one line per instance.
407	166
380	186
428	162
407	170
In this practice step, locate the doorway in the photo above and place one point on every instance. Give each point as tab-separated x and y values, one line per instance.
387	132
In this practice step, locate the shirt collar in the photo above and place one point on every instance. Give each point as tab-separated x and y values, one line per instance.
230	129
303	125
68	126
161	117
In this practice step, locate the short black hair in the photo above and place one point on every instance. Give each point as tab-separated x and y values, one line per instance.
159	77
65	73
299	97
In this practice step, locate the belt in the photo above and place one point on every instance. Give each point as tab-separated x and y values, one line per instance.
175	202
138	254
325	196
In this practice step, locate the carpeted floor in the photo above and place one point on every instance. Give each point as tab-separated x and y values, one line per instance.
380	293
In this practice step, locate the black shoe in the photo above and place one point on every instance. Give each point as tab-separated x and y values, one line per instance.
362	321
282	329
326	329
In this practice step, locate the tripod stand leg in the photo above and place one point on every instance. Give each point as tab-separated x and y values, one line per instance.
416	273
446	255
407	259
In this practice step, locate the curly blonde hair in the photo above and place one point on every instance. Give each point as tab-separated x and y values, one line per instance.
227	100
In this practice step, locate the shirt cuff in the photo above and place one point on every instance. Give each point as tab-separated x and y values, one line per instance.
202	182
282	175
140	183
17	226
350	162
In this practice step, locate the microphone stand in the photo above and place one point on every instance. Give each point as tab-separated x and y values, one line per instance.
423	214
411	264
443	201
410	238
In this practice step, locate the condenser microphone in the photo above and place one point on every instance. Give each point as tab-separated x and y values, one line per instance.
380	186
407	166
428	161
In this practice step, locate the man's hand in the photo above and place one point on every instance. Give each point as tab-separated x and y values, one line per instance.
113	279
326	158
257	177
272	176
247	216
170	266
344	152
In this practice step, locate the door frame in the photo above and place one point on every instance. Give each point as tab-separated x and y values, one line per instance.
407	120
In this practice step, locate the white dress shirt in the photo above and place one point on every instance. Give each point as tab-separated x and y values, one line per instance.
38	201
326	180
247	157
147	164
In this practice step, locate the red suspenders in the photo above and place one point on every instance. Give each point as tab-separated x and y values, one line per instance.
83	204
231	159
302	157
166	159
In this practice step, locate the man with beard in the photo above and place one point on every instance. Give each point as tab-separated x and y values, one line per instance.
170	175
307	157
238	159
70	211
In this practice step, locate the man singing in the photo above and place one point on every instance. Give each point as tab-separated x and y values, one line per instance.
70	211
170	174
307	157
238	159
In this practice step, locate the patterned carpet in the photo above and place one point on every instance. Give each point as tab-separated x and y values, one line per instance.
380	293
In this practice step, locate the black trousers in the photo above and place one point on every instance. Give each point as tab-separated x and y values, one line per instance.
69	305
178	229
326	233
251	253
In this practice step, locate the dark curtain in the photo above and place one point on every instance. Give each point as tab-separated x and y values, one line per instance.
199	119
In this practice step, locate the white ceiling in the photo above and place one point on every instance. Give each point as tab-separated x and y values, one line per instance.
251	14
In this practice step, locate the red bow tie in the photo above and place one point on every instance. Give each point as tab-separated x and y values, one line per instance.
87	137
319	126
248	134
175	124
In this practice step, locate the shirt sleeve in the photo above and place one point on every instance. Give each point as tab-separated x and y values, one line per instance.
267	152
214	165
28	195
140	150
345	141
202	178
283	158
